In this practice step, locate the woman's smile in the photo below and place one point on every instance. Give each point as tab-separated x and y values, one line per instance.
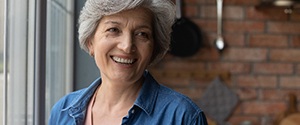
127	61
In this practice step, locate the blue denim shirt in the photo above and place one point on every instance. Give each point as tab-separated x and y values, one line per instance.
155	105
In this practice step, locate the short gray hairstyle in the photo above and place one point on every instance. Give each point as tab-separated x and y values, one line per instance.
163	11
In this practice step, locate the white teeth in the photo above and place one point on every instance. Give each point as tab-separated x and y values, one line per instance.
122	60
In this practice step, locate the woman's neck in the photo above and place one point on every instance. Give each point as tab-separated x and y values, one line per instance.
113	96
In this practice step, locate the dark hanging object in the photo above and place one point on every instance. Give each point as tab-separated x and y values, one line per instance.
186	37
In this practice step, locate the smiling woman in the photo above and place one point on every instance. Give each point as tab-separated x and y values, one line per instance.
125	37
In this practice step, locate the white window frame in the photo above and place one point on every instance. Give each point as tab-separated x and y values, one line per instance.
25	44
60	15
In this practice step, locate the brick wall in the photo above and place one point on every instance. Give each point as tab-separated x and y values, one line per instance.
261	62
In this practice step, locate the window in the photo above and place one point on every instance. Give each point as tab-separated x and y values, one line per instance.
38	58
18	71
1	57
60	44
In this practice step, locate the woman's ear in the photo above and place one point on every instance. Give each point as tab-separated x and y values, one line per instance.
90	47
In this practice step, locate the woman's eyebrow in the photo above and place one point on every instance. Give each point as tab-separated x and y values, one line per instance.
118	23
113	22
144	27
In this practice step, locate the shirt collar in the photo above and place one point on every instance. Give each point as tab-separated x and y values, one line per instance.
148	94
81	101
145	101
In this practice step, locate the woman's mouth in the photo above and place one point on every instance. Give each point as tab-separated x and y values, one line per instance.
123	60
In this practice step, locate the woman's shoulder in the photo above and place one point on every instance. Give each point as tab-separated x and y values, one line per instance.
58	114
77	96
67	100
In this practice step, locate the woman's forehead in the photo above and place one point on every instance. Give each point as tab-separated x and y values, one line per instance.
138	14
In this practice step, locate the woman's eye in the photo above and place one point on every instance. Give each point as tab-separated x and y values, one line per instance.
112	30
143	34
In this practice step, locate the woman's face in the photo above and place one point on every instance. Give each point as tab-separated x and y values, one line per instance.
123	45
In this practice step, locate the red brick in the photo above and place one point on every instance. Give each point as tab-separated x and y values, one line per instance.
183	78
285	55
263	108
229	12
209	39
233	12
238	120
243	26
291	82
258	81
286	92
207	2
203	82
273	68
234	39
190	1
231	26
207	25
179	64
247	93
298	69
207	54
208	11
296	41
284	27
279	94
190	11
295	16
200	81
241	2
266	14
234	67
265	40
204	53
237	110
245	54
198	56
272	94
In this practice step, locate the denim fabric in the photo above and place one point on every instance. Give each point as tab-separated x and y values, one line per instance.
155	105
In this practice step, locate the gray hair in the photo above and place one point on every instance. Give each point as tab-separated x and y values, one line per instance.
163	11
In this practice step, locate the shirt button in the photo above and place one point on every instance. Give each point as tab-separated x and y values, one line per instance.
132	111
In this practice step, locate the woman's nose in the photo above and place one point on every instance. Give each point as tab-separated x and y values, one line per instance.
126	44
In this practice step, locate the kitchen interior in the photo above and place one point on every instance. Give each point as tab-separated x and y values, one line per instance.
240	60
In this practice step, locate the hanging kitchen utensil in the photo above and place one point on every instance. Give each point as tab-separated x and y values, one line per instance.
219	42
186	38
218	101
292	115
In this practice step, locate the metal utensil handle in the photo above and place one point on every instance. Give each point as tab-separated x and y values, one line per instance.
178	9
219	16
